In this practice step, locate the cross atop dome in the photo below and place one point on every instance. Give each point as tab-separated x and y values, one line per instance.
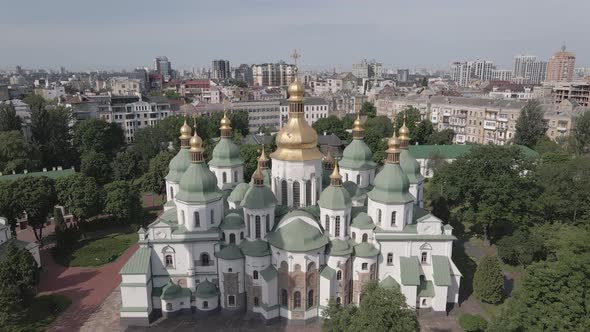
295	56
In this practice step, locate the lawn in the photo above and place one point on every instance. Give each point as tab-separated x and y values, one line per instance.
41	313
97	251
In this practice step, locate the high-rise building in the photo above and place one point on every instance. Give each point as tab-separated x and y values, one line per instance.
529	70
465	72
367	69
501	74
163	66
561	66
220	70
273	74
244	73
403	75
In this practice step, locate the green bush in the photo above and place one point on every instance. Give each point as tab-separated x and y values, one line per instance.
473	323
488	281
521	248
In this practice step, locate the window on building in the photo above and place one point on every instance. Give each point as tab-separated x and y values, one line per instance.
256	301
379	216
255	274
365	237
182	216
284	193
297	299
197	219
346	176
205	259
327	223
223	237
235	176
339	275
257	227
232	238
424	258
364	266
338	300
267	223
308	192
169	306
169	261
212	216
358	179
241	235
172	192
296	194
390	259
337	226
284	298
224	177
353	235
231	300
205	304
393	215
310	299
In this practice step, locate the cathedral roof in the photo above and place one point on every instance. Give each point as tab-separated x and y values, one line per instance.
366	250
256	248
226	153
238	193
269	273
410	166
391	186
229	252
339	248
206	290
298	236
362	221
174	291
357	155
232	221
335	198
178	165
198	184
258	197
389	282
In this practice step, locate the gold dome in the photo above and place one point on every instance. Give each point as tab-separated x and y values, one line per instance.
225	122
185	130
335	177
196	143
296	90
297	141
263	157
404	132
393	142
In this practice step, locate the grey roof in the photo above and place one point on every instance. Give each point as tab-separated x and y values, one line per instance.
330	139
269	273
255	139
139	263
410	270
441	270
327	272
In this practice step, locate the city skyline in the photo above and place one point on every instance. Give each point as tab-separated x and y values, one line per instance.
329	34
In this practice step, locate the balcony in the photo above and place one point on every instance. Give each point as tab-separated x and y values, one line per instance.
489	125
502	118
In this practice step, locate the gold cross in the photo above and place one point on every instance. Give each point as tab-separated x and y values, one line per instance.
295	56
195	121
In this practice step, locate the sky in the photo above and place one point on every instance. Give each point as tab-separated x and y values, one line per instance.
119	34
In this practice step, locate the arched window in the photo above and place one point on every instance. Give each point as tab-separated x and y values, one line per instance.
257	226
235	176
205	259
255	275
169	306
232	238
241	235
197	219
346	176
310	266
353	235
205	304
182	217
327	222
231	300
172	192
393	214
256	302
379	216
358	179
390	259
310	299
296	194
267	223
308	193
248	225
339	275
424	257
338	300
284	193
169	261
223	237
284	298
297	300
284	266
223	177
365	237
337	226
212	216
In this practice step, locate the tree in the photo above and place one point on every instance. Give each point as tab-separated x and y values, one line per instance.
123	201
153	180
472	323
330	125
16	154
8	119
50	126
488	281
96	165
380	309
37	197
81	194
127	166
442	137
99	136
424	133
10	208
530	127
368	109
582	133
250	154
65	237
520	248
413	118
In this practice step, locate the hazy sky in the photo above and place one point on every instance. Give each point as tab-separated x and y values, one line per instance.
107	34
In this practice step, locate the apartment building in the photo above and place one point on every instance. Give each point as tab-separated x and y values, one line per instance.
464	72
560	66
529	70
52	91
314	109
328	85
125	86
578	92
560	119
367	69
501	74
273	74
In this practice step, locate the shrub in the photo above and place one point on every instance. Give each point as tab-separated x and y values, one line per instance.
488	281
473	323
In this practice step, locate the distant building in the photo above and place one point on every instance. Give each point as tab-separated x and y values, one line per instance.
314	109
328	85
51	92
403	75
220	70
6	237
4	94
273	74
561	66
560	119
163	67
244	73
125	86
529	70
578	92
464	72
501	74
367	69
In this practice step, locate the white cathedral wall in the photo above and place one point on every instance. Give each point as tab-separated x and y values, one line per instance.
344	215
417	190
171	190
410	292
327	291
229	171
439	302
299	171
398	248
270	296
179	254
206	212
367	176
136	297
453	291
440	248
256	264
252	222
403	214
294	258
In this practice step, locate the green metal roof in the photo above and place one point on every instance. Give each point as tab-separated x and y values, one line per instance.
455	151
441	270
50	174
389	282
138	263
362	221
226	154
258	197
410	270
365	250
238	193
178	165
232	221
327	272
256	248
206	290
410	166
357	155
198	185
230	252
269	273
391	186
266	175
174	291
298	236
339	248
169	217
335	198
426	289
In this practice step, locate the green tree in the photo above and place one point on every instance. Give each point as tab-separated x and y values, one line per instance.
424	133
582	133
488	281
442	137
8	119
153	180
520	248
380	309
413	118
127	166
331	125
473	323
99	136
530	127
250	154
123	201
81	194
37	197
96	165
50	126
16	154
368	109
10	208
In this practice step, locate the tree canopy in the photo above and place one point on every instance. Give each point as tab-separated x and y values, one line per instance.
8	119
16	154
81	194
488	281
153	180
36	196
99	136
123	201
530	127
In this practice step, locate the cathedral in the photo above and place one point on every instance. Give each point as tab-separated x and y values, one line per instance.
302	231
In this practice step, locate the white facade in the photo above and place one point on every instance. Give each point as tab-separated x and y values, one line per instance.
315	109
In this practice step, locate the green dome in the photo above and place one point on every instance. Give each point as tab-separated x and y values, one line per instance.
226	153
238	193
229	252
256	248
267	177
339	248
365	250
357	155
206	290
198	185
335	198
298	236
391	186
174	291
178	165
258	197
232	221
362	221
410	166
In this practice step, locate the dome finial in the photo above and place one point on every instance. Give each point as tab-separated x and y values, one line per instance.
335	177
393	150
225	123
404	133
185	134
357	129
196	145
258	176
296	90
263	159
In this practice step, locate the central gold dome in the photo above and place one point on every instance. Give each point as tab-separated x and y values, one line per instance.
296	90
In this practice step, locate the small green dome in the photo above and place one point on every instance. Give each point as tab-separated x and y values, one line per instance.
298	236
365	250
238	193
357	155
198	185
339	247
258	197
362	221
226	153
178	165
206	290
335	198
232	221
230	252
391	186
410	166
174	291
256	248
266	175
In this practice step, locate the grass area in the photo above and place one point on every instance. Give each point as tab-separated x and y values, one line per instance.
40	313
97	251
